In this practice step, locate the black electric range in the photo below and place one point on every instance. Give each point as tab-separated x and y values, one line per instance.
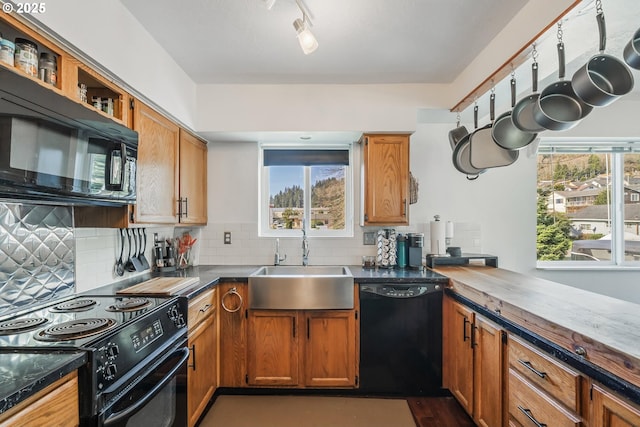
129	341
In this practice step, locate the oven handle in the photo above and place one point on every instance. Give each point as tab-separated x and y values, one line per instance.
118	416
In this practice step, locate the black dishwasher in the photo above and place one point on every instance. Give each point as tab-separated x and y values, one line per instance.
401	339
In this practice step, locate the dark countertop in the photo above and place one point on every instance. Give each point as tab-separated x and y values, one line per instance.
28	373
24	374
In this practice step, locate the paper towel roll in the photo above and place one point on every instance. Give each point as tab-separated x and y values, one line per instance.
449	230
438	245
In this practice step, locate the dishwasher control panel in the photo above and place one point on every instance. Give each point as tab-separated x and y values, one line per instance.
390	290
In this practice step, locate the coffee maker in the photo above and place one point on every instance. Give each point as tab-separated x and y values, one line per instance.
416	242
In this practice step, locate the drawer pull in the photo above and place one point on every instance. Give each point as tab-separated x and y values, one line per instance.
206	308
529	414
527	365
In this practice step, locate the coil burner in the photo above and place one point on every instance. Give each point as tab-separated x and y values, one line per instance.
129	304
15	326
75	306
75	329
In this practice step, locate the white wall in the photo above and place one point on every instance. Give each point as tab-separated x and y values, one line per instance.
108	33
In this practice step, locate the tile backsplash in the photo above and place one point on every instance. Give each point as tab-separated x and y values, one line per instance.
249	249
37	256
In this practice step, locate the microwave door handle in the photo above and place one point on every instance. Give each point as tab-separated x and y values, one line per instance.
109	185
125	413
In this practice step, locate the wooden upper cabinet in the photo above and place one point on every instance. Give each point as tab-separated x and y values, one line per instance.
386	179
157	168
193	180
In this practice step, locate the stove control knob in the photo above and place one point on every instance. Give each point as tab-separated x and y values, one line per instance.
113	351
175	315
110	371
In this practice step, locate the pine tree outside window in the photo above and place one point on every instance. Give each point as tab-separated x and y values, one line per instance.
306	187
588	211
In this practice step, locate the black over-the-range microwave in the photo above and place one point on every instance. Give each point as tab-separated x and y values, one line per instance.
54	149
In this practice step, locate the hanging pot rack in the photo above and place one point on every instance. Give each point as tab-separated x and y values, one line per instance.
508	66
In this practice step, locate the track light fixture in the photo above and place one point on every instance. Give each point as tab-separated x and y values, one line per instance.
307	40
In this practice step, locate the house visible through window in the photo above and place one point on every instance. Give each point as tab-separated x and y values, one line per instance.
310	188
588	208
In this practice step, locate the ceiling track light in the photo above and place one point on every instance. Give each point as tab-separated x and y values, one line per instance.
307	40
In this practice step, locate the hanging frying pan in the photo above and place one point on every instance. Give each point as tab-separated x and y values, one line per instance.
522	115
632	51
558	107
461	153
505	133
484	152
456	135
604	78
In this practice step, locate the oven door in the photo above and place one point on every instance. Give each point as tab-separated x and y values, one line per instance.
156	398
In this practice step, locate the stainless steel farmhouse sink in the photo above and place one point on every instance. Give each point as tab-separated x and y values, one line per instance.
301	288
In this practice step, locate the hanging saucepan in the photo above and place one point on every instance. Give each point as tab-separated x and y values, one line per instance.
456	135
632	51
558	107
461	153
505	133
604	78
522	115
485	153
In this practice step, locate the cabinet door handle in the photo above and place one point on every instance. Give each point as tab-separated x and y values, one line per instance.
186	207
464	329
530	367
404	207
193	352
474	330
293	320
529	414
308	328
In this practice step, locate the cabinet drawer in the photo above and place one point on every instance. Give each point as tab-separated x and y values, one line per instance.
528	406
560	382
201	306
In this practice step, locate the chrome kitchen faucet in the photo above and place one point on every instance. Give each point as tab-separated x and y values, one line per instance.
276	258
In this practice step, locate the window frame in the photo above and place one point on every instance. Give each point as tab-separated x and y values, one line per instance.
264	229
616	148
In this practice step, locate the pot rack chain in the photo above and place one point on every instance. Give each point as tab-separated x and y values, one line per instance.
513	62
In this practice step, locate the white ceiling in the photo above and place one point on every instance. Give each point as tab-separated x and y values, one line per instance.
360	41
369	41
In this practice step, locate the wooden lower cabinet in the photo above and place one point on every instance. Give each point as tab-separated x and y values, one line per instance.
608	410
529	406
330	357
233	334
202	367
473	354
302	348
57	405
272	357
487	373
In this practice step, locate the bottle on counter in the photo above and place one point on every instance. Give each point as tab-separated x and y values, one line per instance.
402	251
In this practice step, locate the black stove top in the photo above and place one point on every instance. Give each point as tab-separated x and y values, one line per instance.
75	322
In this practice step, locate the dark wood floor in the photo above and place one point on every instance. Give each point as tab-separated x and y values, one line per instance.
438	412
